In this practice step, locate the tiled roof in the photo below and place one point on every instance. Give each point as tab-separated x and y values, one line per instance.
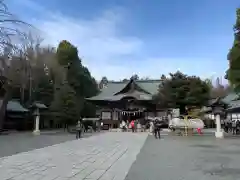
230	97
234	104
39	105
112	88
15	106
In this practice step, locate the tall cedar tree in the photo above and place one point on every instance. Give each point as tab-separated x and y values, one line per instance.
64	106
233	73
78	77
181	91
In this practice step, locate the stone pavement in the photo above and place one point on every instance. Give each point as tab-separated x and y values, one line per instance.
187	158
21	142
108	156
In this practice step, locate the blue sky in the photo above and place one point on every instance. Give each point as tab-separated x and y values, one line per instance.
118	38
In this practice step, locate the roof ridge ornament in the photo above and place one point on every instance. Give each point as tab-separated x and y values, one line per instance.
132	85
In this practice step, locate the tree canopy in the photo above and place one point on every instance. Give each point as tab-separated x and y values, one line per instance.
181	91
53	76
76	84
233	73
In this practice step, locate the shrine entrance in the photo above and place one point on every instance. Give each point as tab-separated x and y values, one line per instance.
130	115
132	110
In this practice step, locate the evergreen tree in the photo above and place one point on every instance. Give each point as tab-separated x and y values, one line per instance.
181	91
64	108
233	73
69	100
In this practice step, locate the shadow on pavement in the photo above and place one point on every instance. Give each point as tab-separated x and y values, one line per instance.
21	142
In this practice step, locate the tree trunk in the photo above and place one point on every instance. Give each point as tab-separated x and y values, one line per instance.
3	108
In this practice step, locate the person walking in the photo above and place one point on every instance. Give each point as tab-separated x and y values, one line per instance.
234	127
199	131
123	126
157	129
151	127
79	128
135	125
237	127
132	125
229	126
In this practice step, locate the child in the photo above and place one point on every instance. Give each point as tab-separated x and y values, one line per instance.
199	130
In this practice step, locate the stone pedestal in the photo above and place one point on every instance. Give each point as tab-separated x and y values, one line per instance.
219	133
36	130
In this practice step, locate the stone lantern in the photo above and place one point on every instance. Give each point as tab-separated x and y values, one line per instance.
218	109
169	116
36	115
37	107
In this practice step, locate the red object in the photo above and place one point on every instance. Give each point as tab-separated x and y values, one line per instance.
132	124
199	131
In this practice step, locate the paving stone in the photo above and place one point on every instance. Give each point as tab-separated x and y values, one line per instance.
90	158
107	176
186	158
22	142
96	174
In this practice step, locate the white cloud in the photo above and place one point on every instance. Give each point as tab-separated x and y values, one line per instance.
107	53
98	42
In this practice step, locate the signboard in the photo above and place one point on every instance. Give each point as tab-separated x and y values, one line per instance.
106	115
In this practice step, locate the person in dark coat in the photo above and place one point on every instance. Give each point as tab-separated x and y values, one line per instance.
79	128
157	129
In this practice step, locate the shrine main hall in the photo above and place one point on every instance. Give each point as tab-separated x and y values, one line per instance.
127	100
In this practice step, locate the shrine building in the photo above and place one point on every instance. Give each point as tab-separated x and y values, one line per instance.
127	101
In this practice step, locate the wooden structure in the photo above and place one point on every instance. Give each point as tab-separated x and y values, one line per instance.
3	100
16	116
126	101
233	109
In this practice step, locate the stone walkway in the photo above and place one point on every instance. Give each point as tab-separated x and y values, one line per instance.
21	142
108	156
187	158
